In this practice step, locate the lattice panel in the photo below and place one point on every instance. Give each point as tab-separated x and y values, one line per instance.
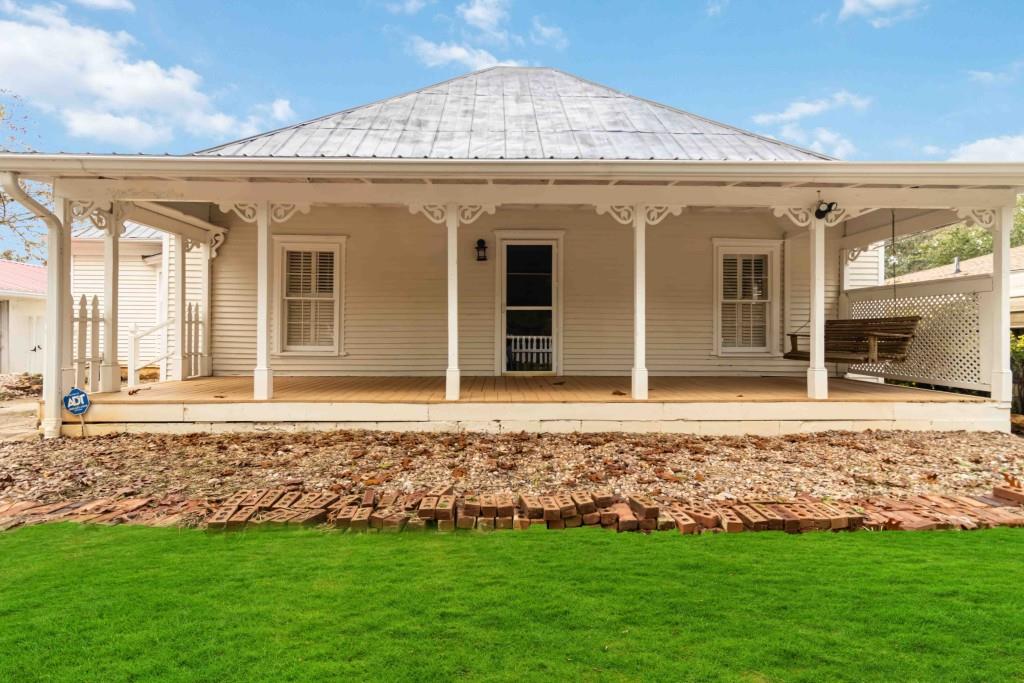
946	350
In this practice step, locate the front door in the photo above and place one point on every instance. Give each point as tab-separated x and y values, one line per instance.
528	298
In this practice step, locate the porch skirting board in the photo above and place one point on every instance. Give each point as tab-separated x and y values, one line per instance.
693	418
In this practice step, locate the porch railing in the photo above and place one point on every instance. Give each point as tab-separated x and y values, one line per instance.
192	351
88	358
135	337
950	347
529	352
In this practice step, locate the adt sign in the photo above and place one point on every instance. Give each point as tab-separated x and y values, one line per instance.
76	401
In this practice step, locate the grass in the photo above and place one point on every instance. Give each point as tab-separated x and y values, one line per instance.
128	603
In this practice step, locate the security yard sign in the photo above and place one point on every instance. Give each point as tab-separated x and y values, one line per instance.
76	401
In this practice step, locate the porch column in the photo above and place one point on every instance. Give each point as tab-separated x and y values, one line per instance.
817	375
67	359
263	374
1002	375
205	315
452	376
452	215
178	353
110	370
639	374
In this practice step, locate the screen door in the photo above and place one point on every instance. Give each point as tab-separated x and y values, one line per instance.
529	307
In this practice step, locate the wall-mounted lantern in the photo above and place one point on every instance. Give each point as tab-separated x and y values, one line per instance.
481	250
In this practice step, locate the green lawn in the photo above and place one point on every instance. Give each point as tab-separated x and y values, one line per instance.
105	604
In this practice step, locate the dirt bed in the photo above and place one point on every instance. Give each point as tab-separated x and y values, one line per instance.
838	465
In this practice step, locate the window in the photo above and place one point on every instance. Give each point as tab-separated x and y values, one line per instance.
747	291
309	305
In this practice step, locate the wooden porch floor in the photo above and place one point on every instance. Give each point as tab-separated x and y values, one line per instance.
519	390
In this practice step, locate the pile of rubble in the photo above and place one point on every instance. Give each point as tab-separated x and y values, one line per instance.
441	509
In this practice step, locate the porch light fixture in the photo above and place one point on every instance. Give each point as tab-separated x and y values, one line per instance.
824	209
481	250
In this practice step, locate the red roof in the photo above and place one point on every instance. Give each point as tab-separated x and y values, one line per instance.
22	277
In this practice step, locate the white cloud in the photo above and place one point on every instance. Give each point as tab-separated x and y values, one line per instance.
122	5
1007	75
819	139
406	6
1001	148
442	54
801	109
881	13
279	110
542	34
488	16
933	150
87	77
715	7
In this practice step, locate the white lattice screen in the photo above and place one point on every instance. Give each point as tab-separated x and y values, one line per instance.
947	348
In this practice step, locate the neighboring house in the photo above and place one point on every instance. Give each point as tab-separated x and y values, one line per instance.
519	248
22	316
981	265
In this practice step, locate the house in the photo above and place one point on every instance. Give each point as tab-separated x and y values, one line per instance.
521	249
979	266
22	317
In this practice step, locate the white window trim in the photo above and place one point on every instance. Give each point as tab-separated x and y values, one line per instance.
526	236
309	243
773	249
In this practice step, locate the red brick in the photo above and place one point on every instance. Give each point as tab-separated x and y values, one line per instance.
838	518
556	523
752	519
485	523
308	502
441	490
377	517
361	519
684	522
566	508
275	516
446	525
219	519
308	516
388	499
395	522
471	505
288	500
325	500
427	507
411	502
791	522
573	522
666	522
369	498
1010	493
603	498
488	505
609	518
521	523
236	498
647	524
531	507
445	508
551	509
503	522
416	524
772	517
253	498
268	499
465	521
592	518
240	517
344	517
643	507
506	505
731	522
704	515
584	502
626	520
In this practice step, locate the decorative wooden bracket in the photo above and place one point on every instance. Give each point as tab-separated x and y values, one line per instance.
466	213
984	218
627	213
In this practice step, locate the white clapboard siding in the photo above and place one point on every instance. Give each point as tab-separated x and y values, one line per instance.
137	287
394	304
866	269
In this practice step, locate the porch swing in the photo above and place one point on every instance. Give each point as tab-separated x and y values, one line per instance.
862	340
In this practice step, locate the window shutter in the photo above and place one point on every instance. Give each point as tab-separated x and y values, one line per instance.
745	301
310	299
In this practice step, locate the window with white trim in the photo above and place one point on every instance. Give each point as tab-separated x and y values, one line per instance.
309	306
747	296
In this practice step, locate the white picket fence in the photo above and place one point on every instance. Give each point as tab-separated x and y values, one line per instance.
192	353
87	360
529	352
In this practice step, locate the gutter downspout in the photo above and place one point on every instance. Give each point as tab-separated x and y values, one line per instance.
55	295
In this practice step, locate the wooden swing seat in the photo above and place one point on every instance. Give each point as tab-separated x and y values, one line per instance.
864	340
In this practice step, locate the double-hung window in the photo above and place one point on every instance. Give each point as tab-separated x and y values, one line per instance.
746	296
309	303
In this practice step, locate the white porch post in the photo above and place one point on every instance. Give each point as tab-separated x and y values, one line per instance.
205	315
817	375
110	371
452	376
639	374
67	361
178	354
263	373
1002	375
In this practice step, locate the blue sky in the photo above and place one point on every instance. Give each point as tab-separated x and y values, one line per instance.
859	79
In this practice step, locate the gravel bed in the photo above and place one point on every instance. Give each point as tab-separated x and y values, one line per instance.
839	465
